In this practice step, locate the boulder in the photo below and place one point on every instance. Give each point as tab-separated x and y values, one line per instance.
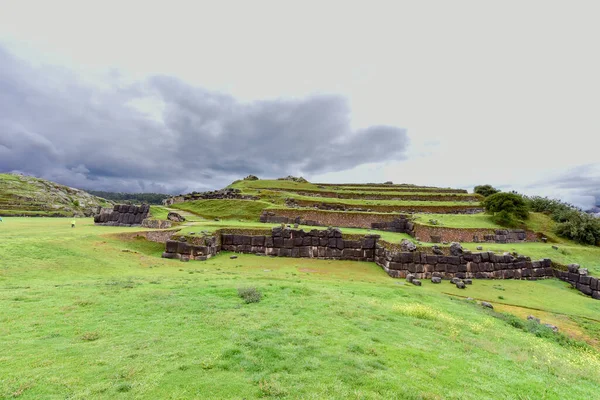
468	281
416	282
553	327
532	318
437	250
407	245
461	285
436	279
455	280
487	305
410	277
173	216
480	248
456	249
233	257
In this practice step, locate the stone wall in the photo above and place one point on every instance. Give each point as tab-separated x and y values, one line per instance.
325	218
468	208
385	196
223	194
384	186
401	224
484	265
122	215
579	279
436	234
396	262
156	224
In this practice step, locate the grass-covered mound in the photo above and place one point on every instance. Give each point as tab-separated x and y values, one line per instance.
85	315
226	209
28	196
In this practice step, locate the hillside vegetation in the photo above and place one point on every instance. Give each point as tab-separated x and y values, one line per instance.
28	196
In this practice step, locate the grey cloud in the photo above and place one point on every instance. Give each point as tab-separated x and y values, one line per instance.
54	126
582	182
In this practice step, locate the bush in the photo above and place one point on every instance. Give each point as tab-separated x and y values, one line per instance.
250	294
485	190
580	227
507	208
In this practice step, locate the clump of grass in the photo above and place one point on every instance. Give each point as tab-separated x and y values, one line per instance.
124	387
90	336
250	294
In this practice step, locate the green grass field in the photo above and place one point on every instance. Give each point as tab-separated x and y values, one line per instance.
85	315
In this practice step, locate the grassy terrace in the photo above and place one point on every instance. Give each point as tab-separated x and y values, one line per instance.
363	202
87	315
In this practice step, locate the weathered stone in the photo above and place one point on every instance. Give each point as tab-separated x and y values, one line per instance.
460	285
487	305
456	249
407	245
436	279
416	282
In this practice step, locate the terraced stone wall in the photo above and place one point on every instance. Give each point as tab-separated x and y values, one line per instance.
122	215
437	209
441	234
484	265
579	279
325	218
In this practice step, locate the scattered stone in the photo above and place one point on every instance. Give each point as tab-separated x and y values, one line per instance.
437	250
173	216
444	242
455	280
532	318
233	257
436	279
456	249
470	299
407	245
553	327
461	285
583	271
182	239
479	247
410	277
416	282
487	305
296	226
184	258
468	281
555	247
192	233
217	219
544	239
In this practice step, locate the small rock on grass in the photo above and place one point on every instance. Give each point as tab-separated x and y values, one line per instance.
461	285
416	282
487	305
233	257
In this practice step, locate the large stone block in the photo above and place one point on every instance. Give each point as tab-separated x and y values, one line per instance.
278	241
585	289
258	241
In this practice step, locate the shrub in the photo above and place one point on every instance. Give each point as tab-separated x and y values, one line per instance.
250	294
581	227
485	190
507	208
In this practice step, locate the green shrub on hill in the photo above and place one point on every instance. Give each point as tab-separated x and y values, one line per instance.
486	190
507	209
573	223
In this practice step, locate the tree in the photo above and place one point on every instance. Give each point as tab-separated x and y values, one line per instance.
506	208
486	190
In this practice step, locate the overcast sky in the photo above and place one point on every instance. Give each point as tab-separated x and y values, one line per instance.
133	96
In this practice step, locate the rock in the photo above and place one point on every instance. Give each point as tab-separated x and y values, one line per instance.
173	216
555	247
455	280
583	271
545	239
410	277
217	219
437	250
436	279
184	258
532	318
479	247
233	257
461	285
456	249
468	281
470	299
251	178
407	245
416	282
296	226
553	327
487	305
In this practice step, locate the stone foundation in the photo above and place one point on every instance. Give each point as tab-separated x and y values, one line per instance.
122	215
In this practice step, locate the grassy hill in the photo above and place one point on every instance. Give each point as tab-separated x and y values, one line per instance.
95	312
87	314
28	196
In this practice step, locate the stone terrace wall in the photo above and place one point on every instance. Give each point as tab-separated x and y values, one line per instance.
122	215
330	244
468	265
441	234
223	194
437	209
384	196
325	218
579	279
385	186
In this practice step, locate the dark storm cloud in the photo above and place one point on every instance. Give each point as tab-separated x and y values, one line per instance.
54	126
584	180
